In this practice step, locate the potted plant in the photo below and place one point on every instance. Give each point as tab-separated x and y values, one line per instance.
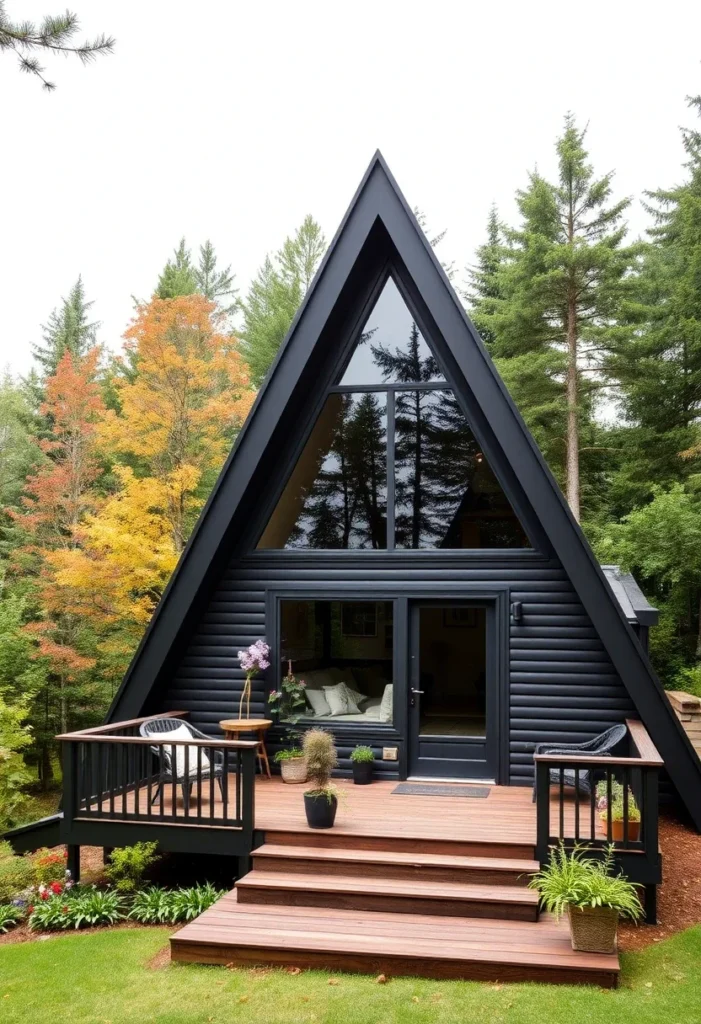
617	812
320	802
287	704
593	896
293	767
362	760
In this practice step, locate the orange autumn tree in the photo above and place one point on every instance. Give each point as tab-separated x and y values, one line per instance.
182	397
182	407
59	493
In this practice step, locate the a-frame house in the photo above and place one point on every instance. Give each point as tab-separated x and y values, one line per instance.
387	524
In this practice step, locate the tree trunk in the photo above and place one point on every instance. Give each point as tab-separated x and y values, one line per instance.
572	412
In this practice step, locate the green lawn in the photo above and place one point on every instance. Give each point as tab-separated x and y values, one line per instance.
104	978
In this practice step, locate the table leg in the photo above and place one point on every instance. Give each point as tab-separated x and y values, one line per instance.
263	754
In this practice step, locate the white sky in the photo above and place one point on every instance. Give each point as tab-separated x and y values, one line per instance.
233	120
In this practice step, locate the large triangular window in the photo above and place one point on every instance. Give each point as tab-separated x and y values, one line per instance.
391	461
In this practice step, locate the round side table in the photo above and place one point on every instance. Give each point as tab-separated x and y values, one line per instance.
233	727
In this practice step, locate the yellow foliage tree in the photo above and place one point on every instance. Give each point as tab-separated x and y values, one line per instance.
182	405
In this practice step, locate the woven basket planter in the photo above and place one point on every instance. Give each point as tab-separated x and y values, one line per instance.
293	769
593	929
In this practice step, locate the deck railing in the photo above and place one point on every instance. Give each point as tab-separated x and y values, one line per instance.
113	773
565	815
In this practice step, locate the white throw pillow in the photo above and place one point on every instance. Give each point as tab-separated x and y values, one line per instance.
340	700
183	733
387	703
317	701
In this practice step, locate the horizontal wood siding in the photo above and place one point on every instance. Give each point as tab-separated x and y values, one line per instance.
562	685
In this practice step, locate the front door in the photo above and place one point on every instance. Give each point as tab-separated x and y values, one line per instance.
452	720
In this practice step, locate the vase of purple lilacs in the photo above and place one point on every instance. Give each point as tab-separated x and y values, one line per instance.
253	660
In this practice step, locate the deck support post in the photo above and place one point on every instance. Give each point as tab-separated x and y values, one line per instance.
542	795
106	853
651	903
73	862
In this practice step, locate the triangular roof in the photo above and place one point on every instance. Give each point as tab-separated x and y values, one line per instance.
379	222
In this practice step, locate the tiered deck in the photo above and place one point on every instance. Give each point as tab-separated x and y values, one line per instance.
420	885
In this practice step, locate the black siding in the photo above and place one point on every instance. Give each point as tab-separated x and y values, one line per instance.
562	686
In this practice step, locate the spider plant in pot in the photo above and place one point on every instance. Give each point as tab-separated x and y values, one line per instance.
287	705
591	894
363	762
320	802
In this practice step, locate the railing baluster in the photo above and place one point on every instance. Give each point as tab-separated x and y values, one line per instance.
186	780
225	783
592	806
111	775
576	804
239	782
562	802
212	761
148	761
137	778
608	805
625	807
173	783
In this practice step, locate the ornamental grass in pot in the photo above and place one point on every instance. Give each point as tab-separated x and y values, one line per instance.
362	762
617	812
321	801
591	894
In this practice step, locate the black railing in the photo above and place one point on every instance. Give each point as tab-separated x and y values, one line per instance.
112	773
594	801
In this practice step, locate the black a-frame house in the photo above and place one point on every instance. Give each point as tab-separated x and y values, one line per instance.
562	661
387	524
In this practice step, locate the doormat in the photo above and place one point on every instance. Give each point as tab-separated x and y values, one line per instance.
430	789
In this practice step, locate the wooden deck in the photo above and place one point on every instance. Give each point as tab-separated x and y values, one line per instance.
433	886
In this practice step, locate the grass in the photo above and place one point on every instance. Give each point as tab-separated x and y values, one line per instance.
105	978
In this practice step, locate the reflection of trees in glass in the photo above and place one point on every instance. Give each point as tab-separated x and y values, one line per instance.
411	365
446	495
346	505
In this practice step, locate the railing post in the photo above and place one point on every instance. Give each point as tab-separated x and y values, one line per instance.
248	809
542	798
70	798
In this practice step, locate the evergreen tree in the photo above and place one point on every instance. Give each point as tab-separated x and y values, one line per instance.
562	287
275	294
178	276
216	285
660	366
483	288
69	329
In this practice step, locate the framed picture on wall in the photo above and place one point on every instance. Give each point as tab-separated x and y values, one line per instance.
359	619
460	618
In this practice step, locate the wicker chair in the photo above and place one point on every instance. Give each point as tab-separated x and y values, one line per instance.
601	746
215	769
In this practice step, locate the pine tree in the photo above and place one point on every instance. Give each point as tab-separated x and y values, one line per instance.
562	287
69	329
660	366
483	288
216	285
178	275
275	294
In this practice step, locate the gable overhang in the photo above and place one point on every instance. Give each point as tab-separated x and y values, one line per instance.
378	225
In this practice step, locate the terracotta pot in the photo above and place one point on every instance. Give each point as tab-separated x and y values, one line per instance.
293	769
593	929
617	830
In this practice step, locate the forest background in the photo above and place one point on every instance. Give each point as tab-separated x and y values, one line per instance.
106	459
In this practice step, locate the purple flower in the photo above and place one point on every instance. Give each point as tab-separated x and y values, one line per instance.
255	658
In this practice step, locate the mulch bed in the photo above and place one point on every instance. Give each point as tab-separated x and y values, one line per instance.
679	896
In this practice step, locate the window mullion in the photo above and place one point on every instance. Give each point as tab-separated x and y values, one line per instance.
390	470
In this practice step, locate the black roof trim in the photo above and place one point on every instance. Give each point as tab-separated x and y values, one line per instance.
379	202
634	604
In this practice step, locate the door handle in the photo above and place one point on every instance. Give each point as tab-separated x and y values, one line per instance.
413	690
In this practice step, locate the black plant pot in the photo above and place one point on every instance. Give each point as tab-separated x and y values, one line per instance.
320	810
362	772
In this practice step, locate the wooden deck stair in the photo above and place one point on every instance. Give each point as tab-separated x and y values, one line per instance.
390	905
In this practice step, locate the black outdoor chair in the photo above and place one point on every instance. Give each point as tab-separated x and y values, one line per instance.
168	774
601	746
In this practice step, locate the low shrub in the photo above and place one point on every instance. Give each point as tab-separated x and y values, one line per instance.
49	865
129	864
16	875
152	906
77	908
10	915
187	904
288	754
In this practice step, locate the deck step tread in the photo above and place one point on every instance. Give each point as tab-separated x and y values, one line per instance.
418	859
458	891
284	932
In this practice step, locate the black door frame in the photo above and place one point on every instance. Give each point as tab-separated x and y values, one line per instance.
494	596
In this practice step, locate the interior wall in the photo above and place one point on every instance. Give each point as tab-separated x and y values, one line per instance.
455	655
